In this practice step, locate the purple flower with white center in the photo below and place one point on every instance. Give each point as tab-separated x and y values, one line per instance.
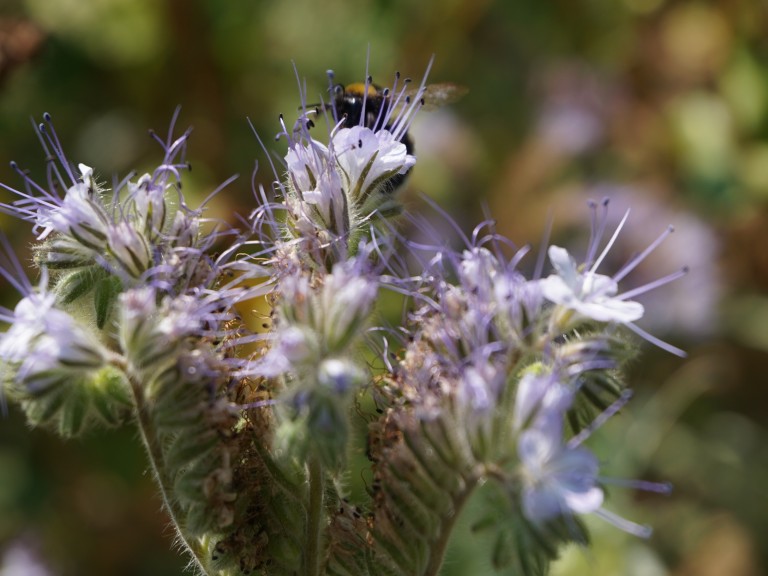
367	158
557	480
561	478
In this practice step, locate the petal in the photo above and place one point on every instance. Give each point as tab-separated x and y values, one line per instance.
564	265
610	310
555	289
584	502
536	449
542	503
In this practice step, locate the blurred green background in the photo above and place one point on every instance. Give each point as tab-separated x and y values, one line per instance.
661	105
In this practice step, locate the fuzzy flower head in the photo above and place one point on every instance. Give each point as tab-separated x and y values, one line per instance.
80	214
335	191
320	317
45	346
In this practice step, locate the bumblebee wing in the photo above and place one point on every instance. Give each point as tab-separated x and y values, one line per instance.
436	95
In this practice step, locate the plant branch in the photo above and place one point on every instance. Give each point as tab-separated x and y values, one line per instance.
438	548
315	517
153	447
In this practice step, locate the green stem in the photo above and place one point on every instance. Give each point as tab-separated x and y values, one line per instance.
155	453
315	517
437	550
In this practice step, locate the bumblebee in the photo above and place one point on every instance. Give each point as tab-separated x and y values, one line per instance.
370	105
382	108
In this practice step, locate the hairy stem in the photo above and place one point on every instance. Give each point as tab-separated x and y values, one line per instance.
437	549
154	452
315	517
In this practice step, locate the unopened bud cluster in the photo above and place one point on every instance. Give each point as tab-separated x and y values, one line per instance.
493	379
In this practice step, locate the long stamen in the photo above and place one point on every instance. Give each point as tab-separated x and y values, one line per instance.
644	485
598	224
610	243
601	419
653	285
634	262
50	132
639	530
401	95
656	341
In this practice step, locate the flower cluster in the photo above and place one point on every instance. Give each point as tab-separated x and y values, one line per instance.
494	378
511	375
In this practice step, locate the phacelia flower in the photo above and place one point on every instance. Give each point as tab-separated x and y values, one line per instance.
540	399
557	480
590	294
366	159
44	345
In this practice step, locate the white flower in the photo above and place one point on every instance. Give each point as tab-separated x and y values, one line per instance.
80	215
588	293
129	247
28	323
46	344
367	158
305	163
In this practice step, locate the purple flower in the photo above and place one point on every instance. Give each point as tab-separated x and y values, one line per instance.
45	345
557	480
540	401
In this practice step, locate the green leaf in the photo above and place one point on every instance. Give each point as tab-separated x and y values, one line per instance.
74	410
78	283
107	290
186	448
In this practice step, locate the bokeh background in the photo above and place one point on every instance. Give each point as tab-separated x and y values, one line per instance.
661	105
